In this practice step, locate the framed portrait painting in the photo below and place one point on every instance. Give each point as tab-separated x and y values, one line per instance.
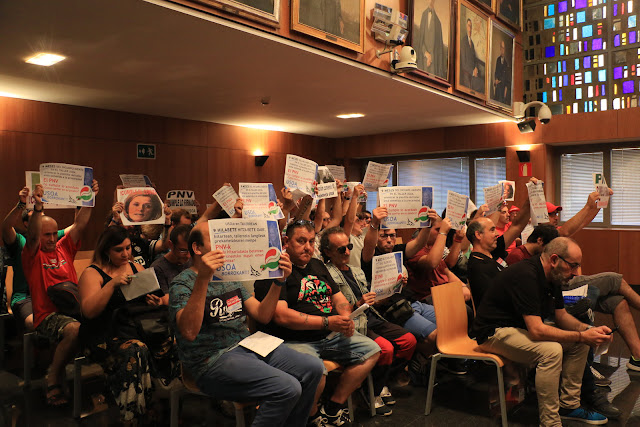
510	11
486	4
340	22
431	29
472	43
500	81
264	11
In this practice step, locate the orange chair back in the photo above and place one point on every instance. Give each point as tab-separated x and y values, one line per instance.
451	315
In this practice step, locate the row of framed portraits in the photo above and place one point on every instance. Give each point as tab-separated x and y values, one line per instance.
484	45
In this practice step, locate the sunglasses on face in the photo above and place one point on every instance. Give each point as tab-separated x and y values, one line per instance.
343	249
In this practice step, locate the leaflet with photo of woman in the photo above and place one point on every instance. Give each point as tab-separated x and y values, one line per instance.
142	205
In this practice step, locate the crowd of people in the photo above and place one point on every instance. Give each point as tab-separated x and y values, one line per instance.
512	277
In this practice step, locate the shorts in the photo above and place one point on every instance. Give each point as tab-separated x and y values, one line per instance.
53	326
609	286
346	351
22	309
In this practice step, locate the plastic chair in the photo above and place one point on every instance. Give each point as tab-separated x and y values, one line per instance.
453	340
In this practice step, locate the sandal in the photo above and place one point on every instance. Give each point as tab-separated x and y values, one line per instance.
56	400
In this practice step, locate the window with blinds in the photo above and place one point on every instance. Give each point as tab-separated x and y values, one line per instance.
576	182
488	172
441	174
625	179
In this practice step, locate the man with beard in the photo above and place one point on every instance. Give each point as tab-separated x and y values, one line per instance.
510	323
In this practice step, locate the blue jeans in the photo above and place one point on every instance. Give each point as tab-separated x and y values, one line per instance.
284	383
423	321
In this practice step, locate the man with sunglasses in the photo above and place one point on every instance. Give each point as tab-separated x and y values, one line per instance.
311	306
172	263
509	322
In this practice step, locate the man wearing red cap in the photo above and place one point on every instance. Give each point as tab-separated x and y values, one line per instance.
513	213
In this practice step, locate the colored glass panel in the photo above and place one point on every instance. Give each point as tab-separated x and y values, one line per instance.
549	23
581	4
587	31
616	40
551	10
562	7
586	62
602	75
617	73
587	77
627	87
596	44
581	17
632	37
550	51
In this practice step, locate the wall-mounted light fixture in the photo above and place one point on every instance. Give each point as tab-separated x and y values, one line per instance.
260	158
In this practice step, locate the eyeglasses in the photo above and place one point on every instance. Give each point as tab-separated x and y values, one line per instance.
343	249
572	265
183	251
302	222
388	236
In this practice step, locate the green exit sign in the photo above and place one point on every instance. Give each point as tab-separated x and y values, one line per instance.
146	151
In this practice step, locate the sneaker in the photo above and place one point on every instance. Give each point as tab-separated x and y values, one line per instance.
386	396
600	380
633	364
597	401
318	421
584	415
339	419
454	366
381	408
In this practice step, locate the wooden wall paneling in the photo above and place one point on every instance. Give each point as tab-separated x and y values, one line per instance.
628	250
37	117
599	250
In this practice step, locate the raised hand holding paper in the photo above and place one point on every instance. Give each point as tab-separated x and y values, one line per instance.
494	197
32	178
182	199
251	248
349	185
142	205
603	190
538	203
386	275
337	172
226	197
67	184
457	206
376	176
300	174
509	189
407	207
327	187
260	201
135	180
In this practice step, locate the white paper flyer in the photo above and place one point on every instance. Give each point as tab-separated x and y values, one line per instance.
386	275
407	207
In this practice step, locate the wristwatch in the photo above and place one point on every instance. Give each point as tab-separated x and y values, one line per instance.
325	323
279	283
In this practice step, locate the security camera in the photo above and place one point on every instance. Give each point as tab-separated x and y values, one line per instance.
520	110
406	62
544	114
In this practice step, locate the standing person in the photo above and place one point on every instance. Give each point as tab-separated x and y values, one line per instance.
429	48
209	318
510	323
48	261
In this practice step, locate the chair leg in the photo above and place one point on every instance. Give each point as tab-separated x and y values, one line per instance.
27	349
174	405
239	415
503	402
372	397
432	375
352	415
77	386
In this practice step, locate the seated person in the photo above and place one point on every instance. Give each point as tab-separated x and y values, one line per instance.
510	323
48	261
537	240
310	307
128	361
209	319
172	263
397	344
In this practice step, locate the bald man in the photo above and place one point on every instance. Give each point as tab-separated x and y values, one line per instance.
510	323
47	261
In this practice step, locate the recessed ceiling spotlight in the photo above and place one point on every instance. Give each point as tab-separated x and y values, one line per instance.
45	59
350	116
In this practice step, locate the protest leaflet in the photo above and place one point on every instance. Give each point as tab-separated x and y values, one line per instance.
142	205
348	186
182	199
32	178
509	189
327	187
226	197
300	174
538	203
407	207
142	283
603	190
260	201
251	248
494	198
135	180
457	207
386	275
67	184
337	172
376	176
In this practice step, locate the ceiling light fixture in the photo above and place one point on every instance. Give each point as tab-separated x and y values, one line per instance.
350	116
45	59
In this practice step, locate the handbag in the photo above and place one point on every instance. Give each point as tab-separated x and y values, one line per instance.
399	311
64	296
146	323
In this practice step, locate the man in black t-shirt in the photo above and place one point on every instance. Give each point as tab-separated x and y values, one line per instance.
510	323
310	308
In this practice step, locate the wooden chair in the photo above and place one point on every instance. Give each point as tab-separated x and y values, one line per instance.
453	340
336	367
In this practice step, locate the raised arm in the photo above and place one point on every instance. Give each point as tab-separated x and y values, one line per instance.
320	210
263	311
34	229
518	225
336	212
83	216
460	244
431	260
350	217
162	245
189	319
583	217
371	238
211	212
414	246
304	208
8	232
